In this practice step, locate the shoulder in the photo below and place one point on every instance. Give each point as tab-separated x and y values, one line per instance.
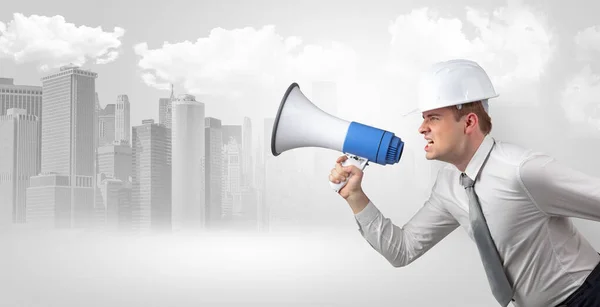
512	154
516	161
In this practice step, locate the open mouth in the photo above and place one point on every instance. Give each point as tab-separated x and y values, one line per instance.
429	144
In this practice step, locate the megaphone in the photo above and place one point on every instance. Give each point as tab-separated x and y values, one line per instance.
299	123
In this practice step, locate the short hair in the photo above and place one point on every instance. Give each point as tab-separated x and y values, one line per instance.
485	122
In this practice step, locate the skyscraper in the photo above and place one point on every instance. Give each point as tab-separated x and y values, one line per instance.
151	178
232	132
114	188
213	146
165	109
18	162
232	181
106	125
63	194
267	178
23	97
20	97
247	168
189	210
232	173
115	160
122	118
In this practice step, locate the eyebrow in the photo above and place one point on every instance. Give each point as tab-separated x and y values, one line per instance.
433	114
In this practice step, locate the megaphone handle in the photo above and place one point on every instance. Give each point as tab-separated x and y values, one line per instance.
355	160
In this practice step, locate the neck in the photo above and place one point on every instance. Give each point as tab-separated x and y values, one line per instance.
469	149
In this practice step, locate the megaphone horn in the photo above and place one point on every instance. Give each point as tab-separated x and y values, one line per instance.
299	123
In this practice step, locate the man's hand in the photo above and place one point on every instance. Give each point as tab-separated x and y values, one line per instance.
352	192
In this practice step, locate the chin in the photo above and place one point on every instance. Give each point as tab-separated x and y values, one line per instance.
430	156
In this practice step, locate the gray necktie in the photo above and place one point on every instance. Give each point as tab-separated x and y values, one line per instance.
492	263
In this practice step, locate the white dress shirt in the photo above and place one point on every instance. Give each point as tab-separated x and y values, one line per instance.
527	199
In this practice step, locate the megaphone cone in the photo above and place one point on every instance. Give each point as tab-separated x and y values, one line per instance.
299	123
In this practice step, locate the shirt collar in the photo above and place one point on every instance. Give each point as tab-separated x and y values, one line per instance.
479	157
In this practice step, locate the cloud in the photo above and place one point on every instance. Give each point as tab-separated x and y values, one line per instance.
588	43
512	43
236	63
53	42
580	97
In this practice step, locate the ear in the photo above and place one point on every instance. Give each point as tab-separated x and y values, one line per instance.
471	123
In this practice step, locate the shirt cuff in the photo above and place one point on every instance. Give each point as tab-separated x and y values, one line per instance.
367	215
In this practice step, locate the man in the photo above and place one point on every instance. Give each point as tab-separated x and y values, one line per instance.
513	202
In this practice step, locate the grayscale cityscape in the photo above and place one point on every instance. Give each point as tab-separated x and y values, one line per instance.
135	144
71	162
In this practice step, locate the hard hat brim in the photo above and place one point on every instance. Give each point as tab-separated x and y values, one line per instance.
418	110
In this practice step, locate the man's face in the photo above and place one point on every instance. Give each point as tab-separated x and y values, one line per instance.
444	135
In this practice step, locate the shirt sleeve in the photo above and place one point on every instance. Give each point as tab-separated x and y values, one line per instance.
402	245
559	190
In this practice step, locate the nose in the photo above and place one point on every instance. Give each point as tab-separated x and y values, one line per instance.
423	128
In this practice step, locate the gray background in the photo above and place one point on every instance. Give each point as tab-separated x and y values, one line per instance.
238	58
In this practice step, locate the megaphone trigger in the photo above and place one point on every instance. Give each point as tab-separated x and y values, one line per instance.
355	160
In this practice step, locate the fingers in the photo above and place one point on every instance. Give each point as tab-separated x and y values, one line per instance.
350	169
340	170
335	179
337	174
341	159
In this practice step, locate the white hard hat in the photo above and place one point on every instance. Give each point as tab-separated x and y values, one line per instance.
453	82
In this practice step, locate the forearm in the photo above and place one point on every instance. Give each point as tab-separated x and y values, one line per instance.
358	202
403	245
386	238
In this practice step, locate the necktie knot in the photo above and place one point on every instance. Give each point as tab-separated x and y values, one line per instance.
465	181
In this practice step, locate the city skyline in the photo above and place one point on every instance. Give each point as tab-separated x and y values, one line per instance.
129	184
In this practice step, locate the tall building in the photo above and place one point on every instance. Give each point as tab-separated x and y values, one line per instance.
63	194
122	118
232	132
232	181
265	189
189	210
267	179
151	178
232	173
115	160
165	109
247	165
213	186
19	161
98	109
106	125
116	200
114	187
22	97
259	184
113	193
